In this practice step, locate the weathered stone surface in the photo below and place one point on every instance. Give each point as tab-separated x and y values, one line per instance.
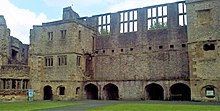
108	56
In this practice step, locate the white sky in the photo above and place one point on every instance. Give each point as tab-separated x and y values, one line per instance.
21	19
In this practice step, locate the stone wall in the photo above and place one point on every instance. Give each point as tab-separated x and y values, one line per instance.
65	44
203	39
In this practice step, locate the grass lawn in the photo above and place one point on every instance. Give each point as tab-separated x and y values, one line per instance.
157	107
29	106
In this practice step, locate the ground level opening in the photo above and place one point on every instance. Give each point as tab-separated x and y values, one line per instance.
48	95
91	91
180	91
154	92
111	92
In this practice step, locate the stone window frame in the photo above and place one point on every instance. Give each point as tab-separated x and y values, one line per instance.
15	84
78	60
104	22
129	21
157	14
210	88
62	60
209	46
48	61
61	90
50	36
63	34
182	13
79	35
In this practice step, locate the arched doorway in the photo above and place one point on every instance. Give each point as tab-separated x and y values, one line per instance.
180	91
91	91
111	92
154	92
48	95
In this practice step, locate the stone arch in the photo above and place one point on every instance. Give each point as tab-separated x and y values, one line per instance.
180	91
209	91
154	92
61	90
91	91
48	94
111	92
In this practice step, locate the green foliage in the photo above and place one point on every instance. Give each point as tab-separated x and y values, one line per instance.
158	25
104	32
29	106
157	107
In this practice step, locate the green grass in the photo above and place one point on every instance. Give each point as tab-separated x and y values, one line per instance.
29	106
156	107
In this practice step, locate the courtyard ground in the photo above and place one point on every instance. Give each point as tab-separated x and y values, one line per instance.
93	105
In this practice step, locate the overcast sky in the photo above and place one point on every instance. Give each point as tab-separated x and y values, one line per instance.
21	15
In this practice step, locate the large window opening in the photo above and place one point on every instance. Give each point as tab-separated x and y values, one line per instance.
128	21
157	17
104	24
182	14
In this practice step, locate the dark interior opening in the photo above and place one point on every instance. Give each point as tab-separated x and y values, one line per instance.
62	90
111	92
48	93
180	92
208	47
91	91
154	92
14	54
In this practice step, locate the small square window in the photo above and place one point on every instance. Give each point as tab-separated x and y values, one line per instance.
150	48
131	49
113	51
103	51
183	45
160	47
171	46
122	50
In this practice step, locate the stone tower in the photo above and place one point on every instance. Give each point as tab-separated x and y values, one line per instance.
204	48
4	41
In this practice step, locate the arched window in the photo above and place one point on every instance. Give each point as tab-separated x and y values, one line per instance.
77	90
62	90
210	92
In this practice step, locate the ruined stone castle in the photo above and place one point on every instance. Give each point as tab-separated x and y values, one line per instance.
163	52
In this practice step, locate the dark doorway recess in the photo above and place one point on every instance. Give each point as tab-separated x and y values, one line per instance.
48	95
111	92
154	92
180	91
91	91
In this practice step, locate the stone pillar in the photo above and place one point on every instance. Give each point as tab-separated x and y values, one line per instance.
10	84
115	23
1	84
172	13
